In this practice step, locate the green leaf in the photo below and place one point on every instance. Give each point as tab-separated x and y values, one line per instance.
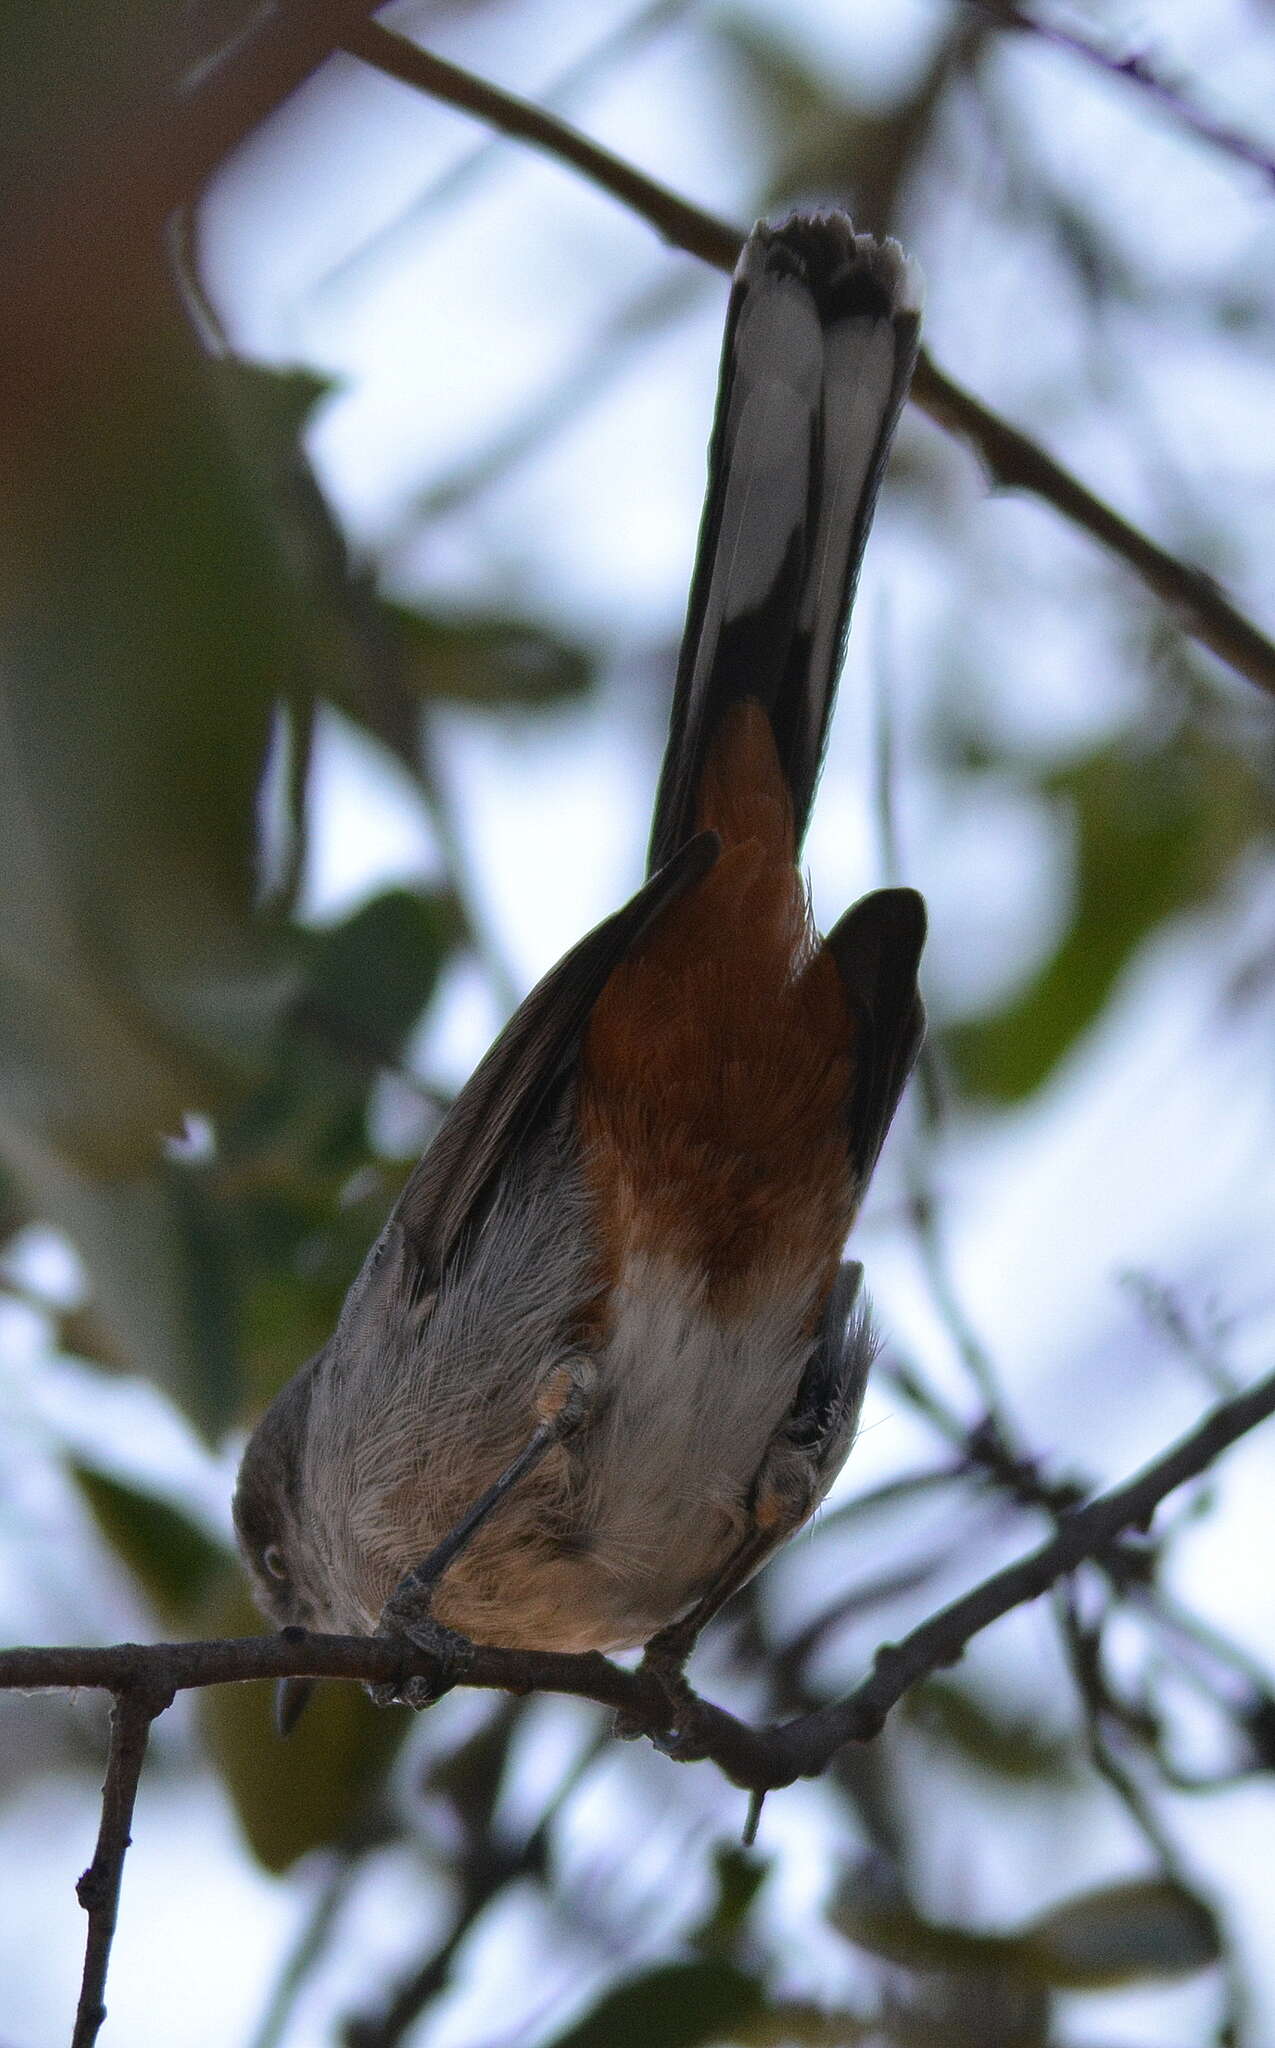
270	408
301	1194
740	1875
1124	1934
1121	1934
1155	830
173	1560
893	1930
298	1255
147	626
1019	1750
163	1302
320	1786
788	2023
492	662
676	2005
368	980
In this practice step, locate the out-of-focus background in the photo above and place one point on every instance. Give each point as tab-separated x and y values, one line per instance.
346	545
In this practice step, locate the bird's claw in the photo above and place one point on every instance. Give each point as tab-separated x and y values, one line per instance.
661	1664
451	1653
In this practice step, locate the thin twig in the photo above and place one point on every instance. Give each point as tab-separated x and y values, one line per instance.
309	1950
1010	458
685	226
905	1486
969	1346
1016	462
1083	1645
1085	1533
1129	1565
1137	71
620	41
98	1890
490	1868
1164	1311
793	1655
144	1678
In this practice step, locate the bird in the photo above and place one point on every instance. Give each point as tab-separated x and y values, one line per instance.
606	1355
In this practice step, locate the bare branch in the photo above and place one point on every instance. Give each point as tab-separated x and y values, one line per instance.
98	1890
758	1759
1010	458
1014	461
619	42
1104	1711
685	226
1137	71
1084	1533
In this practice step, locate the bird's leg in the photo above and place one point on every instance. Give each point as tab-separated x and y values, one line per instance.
562	1403
793	1475
667	1652
665	1656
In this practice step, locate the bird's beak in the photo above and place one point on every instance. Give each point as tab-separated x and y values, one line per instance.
290	1698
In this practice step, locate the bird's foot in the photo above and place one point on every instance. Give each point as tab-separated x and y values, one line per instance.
410	1622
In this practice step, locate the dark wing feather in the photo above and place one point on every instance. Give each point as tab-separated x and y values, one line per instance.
520	1077
877	947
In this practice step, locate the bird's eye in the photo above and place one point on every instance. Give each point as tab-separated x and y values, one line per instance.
273	1560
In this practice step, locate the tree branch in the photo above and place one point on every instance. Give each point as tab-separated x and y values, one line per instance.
758	1759
686	226
98	1890
1137	71
1010	458
79	245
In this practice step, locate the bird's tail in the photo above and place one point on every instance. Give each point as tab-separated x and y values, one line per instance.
821	336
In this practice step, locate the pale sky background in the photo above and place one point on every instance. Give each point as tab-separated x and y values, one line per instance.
1149	1150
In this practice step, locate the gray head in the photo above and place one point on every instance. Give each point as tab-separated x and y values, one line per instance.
270	1521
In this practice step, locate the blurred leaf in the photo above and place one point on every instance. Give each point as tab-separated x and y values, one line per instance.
267	411
145	625
893	1930
808	126
956	1717
489	662
155	1247
1156	831
1124	1934
824	139
270	407
299	1254
370	653
319	1786
740	1875
173	1560
298	1187
788	2024
367	981
377	659
677	2005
